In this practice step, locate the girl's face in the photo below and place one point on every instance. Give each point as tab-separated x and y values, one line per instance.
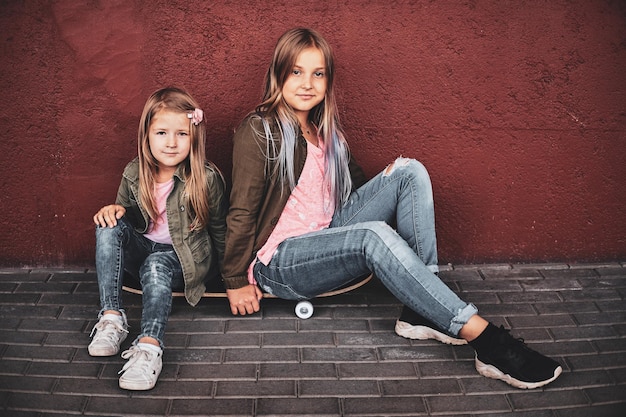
305	87
169	140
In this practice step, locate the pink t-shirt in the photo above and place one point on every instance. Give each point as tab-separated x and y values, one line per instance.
309	208
159	231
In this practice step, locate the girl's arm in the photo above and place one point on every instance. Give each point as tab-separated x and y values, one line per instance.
108	215
247	195
218	209
357	174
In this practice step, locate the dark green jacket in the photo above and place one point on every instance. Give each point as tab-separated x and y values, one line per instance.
200	252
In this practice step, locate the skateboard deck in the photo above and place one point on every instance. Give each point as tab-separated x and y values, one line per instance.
215	289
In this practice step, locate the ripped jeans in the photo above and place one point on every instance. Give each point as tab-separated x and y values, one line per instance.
361	240
156	266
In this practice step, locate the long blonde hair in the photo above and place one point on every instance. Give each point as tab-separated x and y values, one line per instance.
325	116
196	192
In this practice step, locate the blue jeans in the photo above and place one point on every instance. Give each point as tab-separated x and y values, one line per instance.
361	240
155	265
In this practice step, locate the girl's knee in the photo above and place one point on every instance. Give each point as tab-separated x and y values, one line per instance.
378	231
412	167
406	164
115	232
155	271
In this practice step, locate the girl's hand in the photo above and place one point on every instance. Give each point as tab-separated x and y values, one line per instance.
109	215
245	300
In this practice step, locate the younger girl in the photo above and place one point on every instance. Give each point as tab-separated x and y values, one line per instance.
166	228
301	222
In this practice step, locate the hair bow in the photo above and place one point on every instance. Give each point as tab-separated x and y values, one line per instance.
196	116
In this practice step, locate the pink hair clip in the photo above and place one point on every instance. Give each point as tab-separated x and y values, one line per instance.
196	116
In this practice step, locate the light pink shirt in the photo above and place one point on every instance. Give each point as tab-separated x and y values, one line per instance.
309	208
159	231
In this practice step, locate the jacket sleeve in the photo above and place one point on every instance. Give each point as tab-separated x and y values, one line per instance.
126	198
247	195
357	174
218	209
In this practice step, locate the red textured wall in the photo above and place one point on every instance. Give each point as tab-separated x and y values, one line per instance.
518	109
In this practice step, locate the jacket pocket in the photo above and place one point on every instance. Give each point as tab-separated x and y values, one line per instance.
200	246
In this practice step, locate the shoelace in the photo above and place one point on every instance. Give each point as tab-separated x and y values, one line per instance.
102	325
137	355
514	348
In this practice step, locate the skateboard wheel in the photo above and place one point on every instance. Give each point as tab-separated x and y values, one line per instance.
304	309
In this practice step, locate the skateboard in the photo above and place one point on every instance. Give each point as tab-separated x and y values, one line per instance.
304	308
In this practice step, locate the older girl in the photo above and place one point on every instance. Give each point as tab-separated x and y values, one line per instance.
301	222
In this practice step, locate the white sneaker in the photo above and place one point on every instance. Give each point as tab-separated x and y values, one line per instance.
110	332
143	367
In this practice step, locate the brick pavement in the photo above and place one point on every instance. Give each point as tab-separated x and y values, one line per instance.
346	360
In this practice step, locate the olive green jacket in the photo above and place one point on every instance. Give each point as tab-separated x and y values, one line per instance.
200	252
257	197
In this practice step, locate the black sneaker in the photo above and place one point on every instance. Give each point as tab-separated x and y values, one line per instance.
414	326
510	360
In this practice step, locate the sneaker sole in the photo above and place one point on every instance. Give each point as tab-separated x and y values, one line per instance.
136	386
409	331
491	371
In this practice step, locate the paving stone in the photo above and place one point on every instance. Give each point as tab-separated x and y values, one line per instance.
385	406
38	287
559	274
297	407
380	370
70	370
605	395
125	406
22	338
467	403
197	356
371	339
509	274
14	367
243	407
534	297
338	354
38	353
184	389
608	410
298	371
591	294
550	285
261	355
224	340
217	371
417	353
491	286
46	402
20	383
538	399
29	299
298	339
316	325
19	277
256	389
598	361
343	388
423	386
583	332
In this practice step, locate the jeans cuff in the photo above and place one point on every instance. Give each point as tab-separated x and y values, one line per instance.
462	318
